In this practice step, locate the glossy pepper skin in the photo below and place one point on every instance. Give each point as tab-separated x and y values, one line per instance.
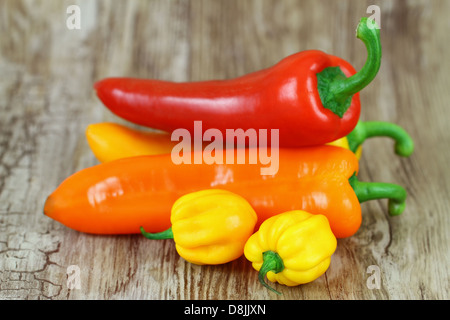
291	248
120	196
209	226
112	141
311	97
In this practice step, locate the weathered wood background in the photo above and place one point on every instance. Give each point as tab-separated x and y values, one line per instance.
47	100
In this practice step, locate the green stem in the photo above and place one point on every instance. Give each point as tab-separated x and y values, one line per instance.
167	234
335	89
404	144
366	191
271	262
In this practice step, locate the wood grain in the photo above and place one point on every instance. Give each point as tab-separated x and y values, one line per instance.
47	100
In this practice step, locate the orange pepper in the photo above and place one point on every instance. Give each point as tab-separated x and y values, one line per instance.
118	197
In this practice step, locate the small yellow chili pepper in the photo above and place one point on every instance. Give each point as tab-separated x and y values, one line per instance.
209	226
291	248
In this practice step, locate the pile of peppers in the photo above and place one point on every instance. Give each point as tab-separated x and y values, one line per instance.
286	224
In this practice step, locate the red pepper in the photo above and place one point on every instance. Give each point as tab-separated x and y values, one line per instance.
312	98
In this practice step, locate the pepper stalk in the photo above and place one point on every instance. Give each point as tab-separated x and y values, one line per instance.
404	144
271	262
335	89
366	191
164	235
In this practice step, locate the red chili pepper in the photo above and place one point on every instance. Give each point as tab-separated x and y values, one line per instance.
311	97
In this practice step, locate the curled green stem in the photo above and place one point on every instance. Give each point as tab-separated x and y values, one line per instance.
271	262
335	89
167	234
404	144
366	191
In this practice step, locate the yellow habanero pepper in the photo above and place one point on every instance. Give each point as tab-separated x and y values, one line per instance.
209	226
291	248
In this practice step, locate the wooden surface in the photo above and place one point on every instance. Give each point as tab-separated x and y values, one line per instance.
46	102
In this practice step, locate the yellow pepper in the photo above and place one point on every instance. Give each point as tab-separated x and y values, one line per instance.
209	226
343	143
110	141
291	248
